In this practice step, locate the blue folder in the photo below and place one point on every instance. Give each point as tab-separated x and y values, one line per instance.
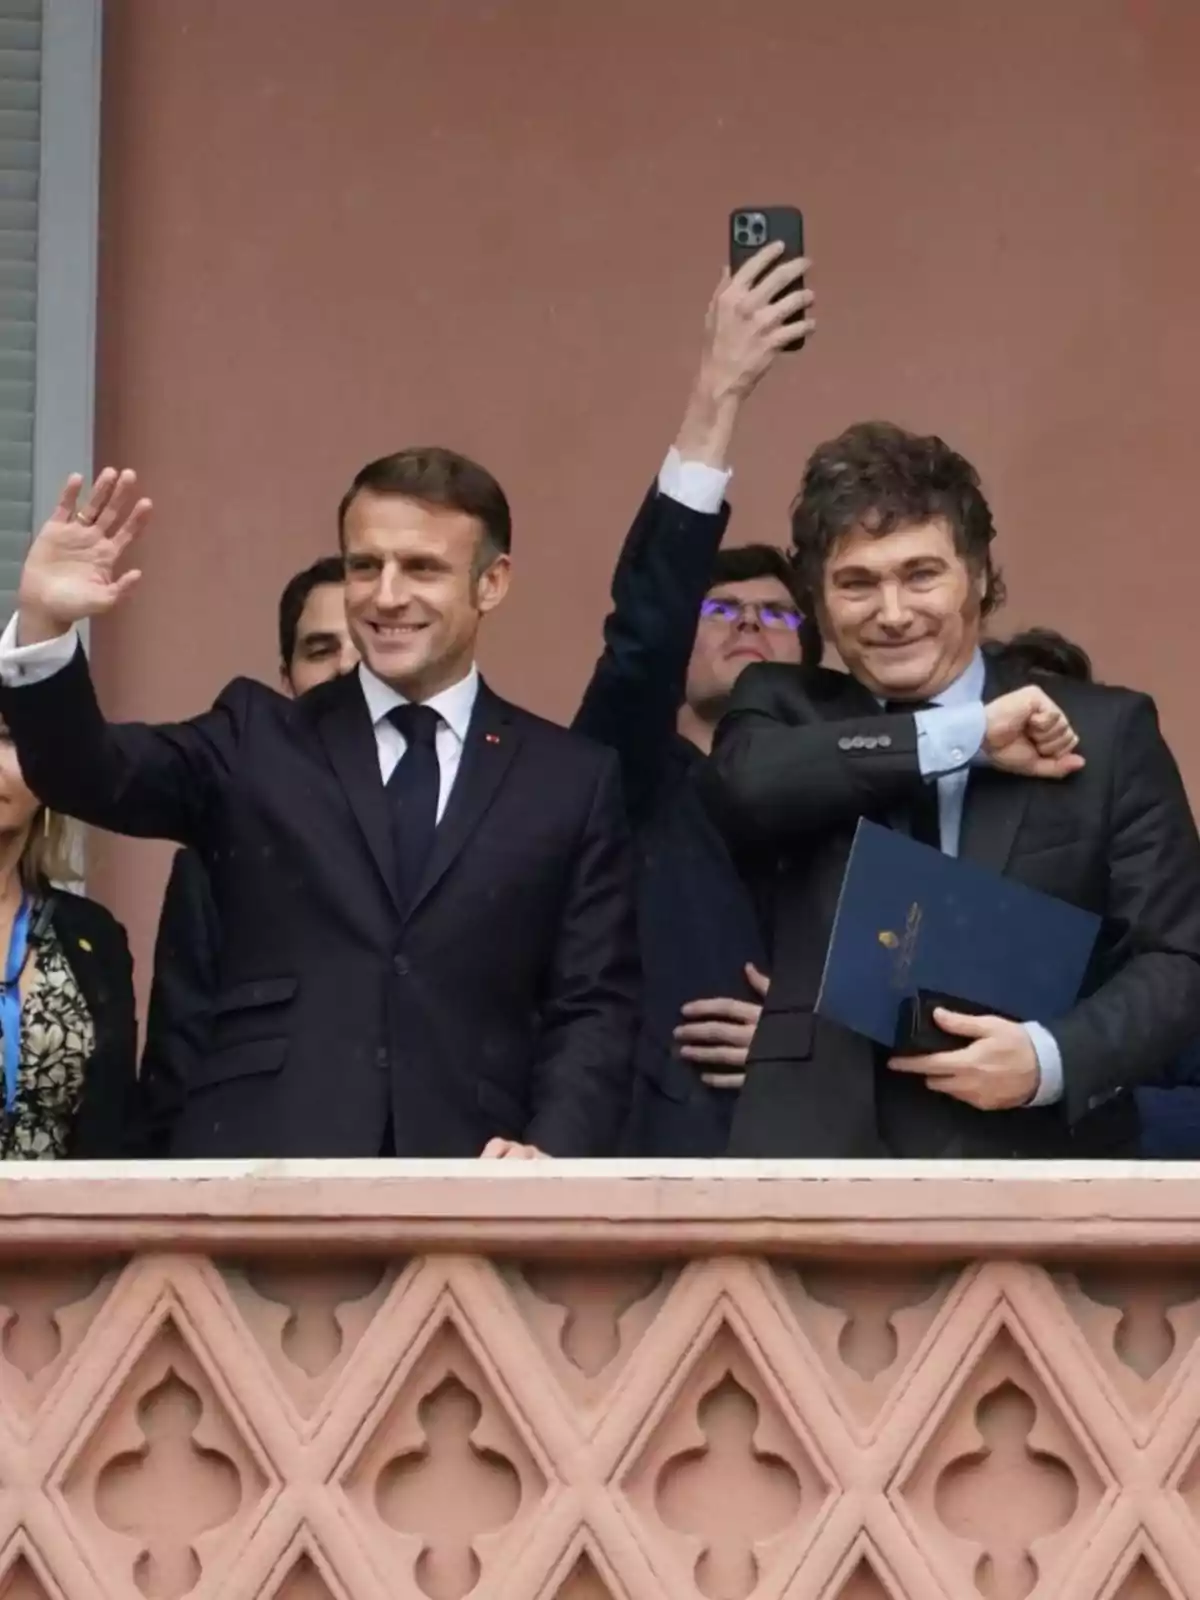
910	917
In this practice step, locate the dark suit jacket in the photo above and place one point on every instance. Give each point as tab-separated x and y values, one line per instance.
97	952
1116	838
696	922
502	1002
180	1016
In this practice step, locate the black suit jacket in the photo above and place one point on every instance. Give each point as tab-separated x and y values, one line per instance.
1116	838
96	950
696	922
503	1002
180	1015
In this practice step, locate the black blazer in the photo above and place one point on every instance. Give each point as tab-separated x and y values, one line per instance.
696	922
502	1002
97	952
182	996
1116	838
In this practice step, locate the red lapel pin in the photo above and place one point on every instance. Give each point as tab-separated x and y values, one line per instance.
492	738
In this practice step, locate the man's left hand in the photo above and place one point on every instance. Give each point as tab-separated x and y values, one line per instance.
511	1150
997	1071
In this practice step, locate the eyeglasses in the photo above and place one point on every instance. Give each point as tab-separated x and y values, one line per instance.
764	613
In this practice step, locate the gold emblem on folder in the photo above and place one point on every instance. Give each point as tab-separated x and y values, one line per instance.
905	943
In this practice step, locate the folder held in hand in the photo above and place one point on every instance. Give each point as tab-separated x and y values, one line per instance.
910	917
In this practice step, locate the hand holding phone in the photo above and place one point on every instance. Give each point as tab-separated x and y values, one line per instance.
754	229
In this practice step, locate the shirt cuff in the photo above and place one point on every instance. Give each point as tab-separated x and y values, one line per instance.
25	664
949	737
1050	1068
693	484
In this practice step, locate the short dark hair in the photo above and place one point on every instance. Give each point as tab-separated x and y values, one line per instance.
880	477
329	569
741	563
442	478
1043	650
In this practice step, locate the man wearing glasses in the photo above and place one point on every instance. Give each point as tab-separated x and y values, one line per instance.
687	619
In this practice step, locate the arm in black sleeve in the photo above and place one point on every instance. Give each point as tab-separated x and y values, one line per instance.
662	575
1136	1024
781	770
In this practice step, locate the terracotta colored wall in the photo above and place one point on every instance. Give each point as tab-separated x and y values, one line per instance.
331	229
259	1387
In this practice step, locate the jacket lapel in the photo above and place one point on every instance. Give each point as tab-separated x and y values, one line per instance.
490	746
344	727
995	801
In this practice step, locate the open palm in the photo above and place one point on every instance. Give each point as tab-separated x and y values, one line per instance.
70	570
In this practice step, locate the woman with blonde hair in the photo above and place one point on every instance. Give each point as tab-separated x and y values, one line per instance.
68	1029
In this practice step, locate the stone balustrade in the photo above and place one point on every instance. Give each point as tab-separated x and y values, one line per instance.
599	1381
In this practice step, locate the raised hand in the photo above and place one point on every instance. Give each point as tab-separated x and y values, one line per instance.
1029	734
70	569
744	332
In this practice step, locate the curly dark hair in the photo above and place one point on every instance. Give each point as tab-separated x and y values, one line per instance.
1045	650
880	477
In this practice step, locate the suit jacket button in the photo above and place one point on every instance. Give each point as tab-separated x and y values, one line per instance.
870	742
845	744
857	742
884	741
400	967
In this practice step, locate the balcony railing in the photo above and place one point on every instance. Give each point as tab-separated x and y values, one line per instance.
592	1381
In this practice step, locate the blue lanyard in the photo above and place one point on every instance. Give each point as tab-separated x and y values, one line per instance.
10	1002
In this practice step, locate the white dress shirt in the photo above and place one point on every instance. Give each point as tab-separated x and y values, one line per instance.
453	705
31	663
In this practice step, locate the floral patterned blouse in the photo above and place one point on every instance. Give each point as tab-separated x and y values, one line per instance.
58	1038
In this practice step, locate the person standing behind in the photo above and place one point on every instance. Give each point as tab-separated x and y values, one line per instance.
314	646
424	893
687	619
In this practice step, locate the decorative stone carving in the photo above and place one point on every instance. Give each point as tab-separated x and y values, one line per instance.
565	1385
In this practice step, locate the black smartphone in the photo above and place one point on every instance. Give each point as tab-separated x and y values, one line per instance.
751	228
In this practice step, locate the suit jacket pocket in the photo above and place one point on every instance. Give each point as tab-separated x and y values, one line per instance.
253	1010
245	1059
504	1110
256	992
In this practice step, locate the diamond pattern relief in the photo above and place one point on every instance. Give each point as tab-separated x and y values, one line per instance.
20	1582
588	1320
167	1480
866	1324
449	1428
1003	1440
308	1317
45	1310
727	1475
1141	1324
447	1476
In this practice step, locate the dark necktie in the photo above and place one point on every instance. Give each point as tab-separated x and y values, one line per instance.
924	821
412	791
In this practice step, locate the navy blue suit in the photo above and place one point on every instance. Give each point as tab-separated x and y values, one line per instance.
696	922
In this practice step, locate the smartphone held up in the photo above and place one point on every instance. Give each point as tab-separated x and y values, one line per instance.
752	228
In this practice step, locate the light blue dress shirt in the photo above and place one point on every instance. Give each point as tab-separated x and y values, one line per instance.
949	739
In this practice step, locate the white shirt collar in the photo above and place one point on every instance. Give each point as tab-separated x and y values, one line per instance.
454	705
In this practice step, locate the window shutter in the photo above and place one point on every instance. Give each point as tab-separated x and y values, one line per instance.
20	161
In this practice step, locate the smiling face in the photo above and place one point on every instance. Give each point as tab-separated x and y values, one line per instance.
754	619
324	648
415	591
902	609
